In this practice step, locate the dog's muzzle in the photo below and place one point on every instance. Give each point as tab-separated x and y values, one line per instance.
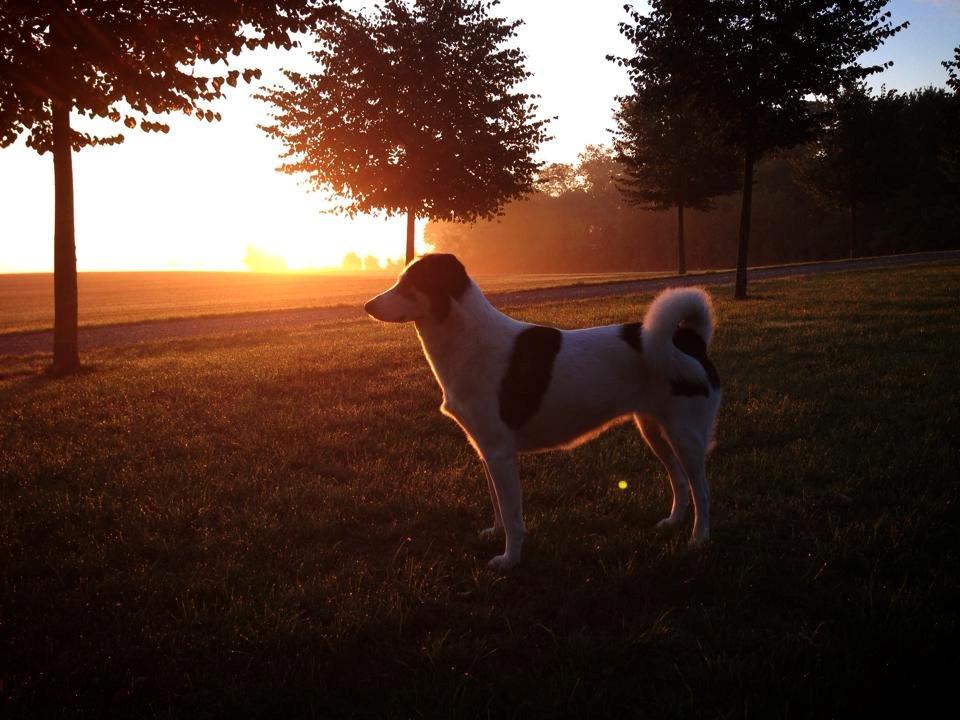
381	308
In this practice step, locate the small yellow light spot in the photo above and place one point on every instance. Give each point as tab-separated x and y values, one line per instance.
622	484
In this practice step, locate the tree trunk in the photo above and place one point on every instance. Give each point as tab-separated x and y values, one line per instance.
66	356
681	252
853	228
411	222
740	290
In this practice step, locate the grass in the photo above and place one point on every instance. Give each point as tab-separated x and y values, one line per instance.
26	301
281	524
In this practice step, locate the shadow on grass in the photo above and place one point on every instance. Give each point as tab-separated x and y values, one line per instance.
285	527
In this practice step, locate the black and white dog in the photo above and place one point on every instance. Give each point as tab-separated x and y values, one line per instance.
517	387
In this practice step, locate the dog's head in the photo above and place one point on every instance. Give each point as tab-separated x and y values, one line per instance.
424	291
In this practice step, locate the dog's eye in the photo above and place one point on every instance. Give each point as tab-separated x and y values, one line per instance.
405	288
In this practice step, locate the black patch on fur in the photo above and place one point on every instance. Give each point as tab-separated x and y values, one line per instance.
630	334
688	342
688	389
405	287
439	276
528	374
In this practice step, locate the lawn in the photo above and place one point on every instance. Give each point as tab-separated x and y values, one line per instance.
281	524
105	298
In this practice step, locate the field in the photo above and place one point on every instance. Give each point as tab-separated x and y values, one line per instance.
26	301
281	524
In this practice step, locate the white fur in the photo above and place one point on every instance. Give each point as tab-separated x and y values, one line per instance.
597	380
673	308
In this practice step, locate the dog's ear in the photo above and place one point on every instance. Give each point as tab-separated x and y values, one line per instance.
442	278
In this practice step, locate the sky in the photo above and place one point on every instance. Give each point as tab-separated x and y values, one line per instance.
206	196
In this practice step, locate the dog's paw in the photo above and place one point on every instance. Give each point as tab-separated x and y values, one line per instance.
491	532
698	540
502	562
668	523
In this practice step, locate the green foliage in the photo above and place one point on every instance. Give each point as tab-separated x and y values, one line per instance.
578	227
669	140
415	111
928	203
854	160
758	62
891	160
281	524
127	62
952	67
574	223
761	60
555	179
672	157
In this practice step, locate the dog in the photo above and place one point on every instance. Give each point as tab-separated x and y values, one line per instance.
515	387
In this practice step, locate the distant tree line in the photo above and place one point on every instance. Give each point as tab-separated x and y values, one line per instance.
416	107
414	110
883	176
757	109
353	263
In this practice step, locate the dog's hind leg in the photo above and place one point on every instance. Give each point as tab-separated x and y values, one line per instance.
497	520
691	448
653	434
502	464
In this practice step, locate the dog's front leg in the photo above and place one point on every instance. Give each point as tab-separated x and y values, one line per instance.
497	520
502	465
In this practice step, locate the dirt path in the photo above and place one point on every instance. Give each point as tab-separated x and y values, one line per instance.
127	334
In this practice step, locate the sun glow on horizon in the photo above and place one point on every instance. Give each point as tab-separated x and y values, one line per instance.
366	238
206	196
167	217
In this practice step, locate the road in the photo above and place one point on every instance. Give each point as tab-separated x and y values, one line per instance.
127	334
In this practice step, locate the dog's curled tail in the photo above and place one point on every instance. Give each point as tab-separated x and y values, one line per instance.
671	310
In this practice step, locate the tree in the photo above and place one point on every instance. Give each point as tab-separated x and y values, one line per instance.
856	159
952	67
261	261
594	208
671	160
351	263
573	222
415	111
126	61
555	179
930	148
668	140
760	62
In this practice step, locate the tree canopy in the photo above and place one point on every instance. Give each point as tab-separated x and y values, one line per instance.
767	58
952	68
127	61
671	156
669	141
669	136
757	63
415	110
857	158
123	61
578	222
